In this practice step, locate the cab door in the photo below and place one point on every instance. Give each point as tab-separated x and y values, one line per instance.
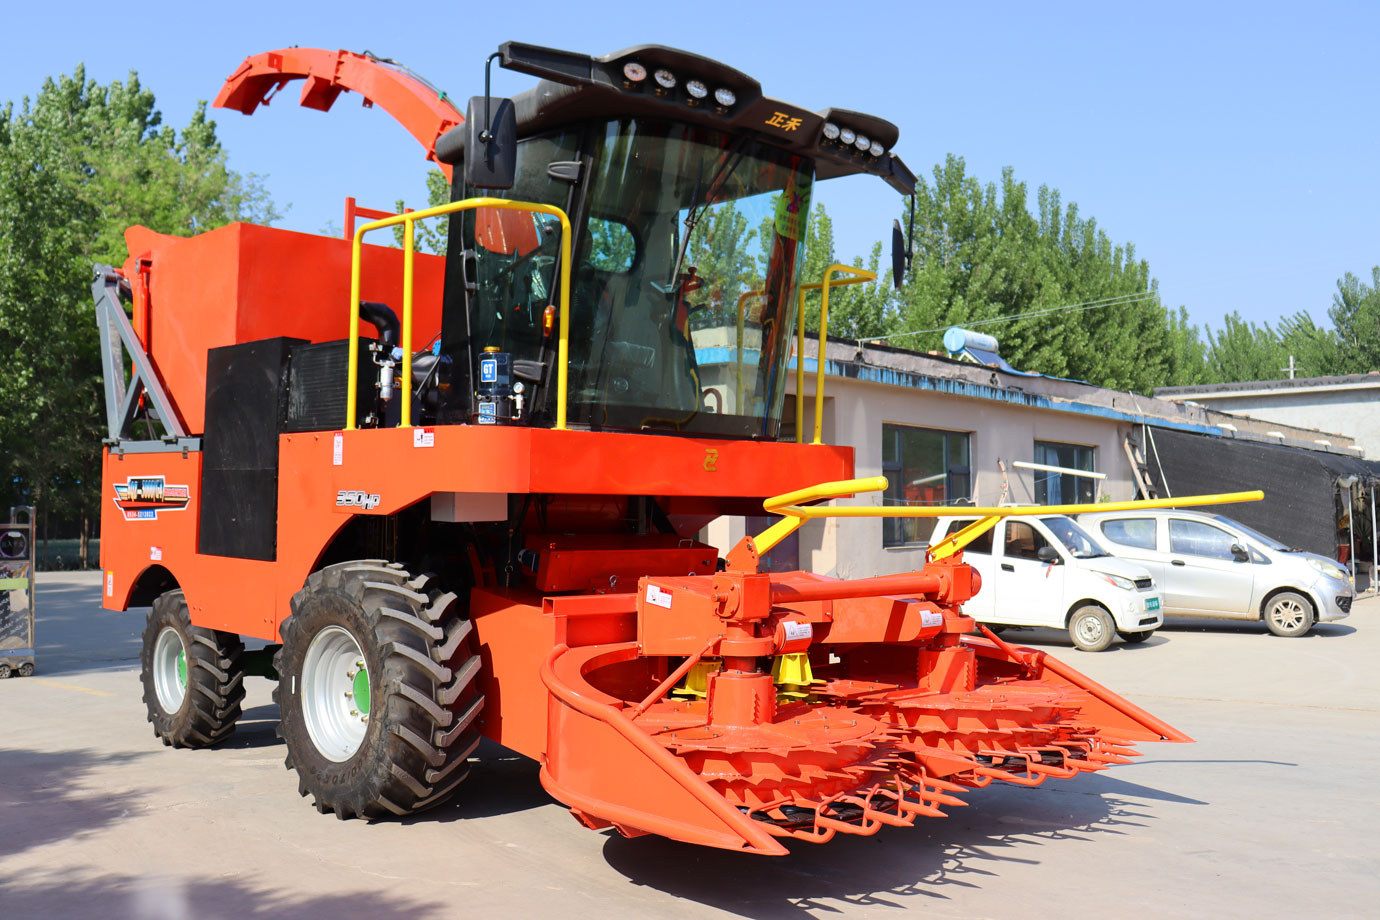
1203	576
1030	591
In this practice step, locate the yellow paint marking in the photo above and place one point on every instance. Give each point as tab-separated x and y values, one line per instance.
53	683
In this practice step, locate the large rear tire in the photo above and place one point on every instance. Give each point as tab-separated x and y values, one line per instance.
378	690
193	677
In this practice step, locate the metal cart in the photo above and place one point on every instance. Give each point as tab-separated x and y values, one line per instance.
17	593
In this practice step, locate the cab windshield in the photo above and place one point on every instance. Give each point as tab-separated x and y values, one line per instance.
689	245
687	278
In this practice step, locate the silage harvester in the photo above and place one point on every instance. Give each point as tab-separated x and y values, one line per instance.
482	519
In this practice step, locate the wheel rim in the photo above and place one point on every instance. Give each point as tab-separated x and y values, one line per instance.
1287	613
335	694
170	670
1089	629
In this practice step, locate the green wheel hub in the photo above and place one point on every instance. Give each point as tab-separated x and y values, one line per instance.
361	691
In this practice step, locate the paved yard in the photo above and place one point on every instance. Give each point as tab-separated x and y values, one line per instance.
1272	813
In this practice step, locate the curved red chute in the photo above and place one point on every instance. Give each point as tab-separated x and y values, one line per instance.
425	112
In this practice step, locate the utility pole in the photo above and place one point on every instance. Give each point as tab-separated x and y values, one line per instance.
1290	368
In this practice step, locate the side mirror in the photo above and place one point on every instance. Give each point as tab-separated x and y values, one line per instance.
490	144
1239	553
1047	554
898	254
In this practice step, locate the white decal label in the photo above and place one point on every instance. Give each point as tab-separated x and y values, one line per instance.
659	597
155	553
338	450
423	437
109	584
796	630
930	618
353	498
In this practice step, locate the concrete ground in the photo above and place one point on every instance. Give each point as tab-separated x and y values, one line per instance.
1272	813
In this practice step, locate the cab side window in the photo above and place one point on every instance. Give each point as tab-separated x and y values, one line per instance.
1194	538
1023	541
1138	532
982	544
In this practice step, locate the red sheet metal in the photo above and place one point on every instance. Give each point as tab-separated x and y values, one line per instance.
425	112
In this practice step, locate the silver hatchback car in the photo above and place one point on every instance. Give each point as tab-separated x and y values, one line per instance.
1208	565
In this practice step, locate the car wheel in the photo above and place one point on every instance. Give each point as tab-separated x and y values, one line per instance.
1091	628
1137	636
1288	614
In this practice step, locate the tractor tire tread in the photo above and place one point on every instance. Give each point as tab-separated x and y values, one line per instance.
423	665
211	705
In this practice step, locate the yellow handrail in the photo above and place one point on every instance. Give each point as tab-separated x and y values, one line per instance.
860	275
409	221
789	505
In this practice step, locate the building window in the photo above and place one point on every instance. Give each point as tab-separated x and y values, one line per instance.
1063	488
923	466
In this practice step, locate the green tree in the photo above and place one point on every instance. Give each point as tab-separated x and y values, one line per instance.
1049	283
1355	316
78	164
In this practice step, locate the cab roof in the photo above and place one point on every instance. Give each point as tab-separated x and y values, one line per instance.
577	87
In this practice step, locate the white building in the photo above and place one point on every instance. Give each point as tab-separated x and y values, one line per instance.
1349	404
943	430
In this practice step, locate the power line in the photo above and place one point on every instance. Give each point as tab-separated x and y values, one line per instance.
1122	300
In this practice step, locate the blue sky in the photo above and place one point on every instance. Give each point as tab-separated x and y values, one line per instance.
1236	145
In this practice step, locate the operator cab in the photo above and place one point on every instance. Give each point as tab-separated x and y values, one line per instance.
688	193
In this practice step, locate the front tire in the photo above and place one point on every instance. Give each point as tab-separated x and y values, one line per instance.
1288	614
1091	628
378	690
193	677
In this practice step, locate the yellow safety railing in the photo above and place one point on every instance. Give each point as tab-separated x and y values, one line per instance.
409	221
860	276
794	513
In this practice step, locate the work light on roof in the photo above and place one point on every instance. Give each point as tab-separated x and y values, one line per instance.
847	136
831	131
877	149
863	142
634	72
724	96
696	89
665	79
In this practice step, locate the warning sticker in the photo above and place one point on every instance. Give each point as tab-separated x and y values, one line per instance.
423	437
338	449
658	596
930	618
155	553
796	630
109	584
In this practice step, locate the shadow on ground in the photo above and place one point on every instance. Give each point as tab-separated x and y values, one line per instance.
44	798
937	860
116	897
501	782
1042	637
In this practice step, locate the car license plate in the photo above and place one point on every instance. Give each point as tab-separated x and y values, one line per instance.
1152	603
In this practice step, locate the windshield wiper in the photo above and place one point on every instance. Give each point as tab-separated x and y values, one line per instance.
732	157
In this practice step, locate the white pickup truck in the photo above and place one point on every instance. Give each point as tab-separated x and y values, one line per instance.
1048	571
